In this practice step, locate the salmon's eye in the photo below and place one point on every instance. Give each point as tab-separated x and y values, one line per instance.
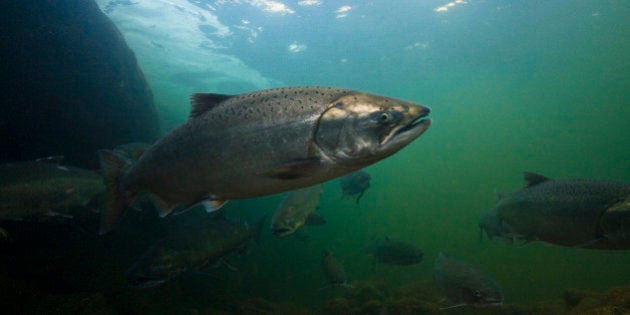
385	117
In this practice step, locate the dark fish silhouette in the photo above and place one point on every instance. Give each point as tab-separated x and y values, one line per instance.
355	183
297	210
191	248
394	252
569	212
333	270
261	143
464	284
41	189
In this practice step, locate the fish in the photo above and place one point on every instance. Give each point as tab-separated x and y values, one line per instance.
583	213
393	252
297	210
491	224
262	143
464	284
45	189
355	183
334	270
191	248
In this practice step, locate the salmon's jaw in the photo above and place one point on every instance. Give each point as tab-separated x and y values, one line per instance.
405	133
280	232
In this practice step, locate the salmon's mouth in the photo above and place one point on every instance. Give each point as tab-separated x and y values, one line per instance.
416	127
281	232
422	122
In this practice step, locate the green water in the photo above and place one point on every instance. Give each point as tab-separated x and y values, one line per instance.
513	87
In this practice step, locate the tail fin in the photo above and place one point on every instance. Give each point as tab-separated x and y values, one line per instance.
118	198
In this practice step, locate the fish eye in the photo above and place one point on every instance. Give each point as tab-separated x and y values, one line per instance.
385	117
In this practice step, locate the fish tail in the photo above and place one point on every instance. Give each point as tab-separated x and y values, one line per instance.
118	197
359	197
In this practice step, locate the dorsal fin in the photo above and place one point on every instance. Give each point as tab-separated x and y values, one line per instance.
203	102
532	179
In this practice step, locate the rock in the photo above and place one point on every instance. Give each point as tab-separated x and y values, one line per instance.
618	296
574	297
339	306
615	301
603	310
70	84
408	305
372	307
365	291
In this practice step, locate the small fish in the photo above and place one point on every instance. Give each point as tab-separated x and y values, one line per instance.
192	248
43	189
394	252
297	210
355	183
261	143
569	212
333	270
464	284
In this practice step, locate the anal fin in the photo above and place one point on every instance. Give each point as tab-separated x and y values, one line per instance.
164	207
213	205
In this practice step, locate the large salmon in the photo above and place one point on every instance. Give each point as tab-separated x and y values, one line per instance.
261	143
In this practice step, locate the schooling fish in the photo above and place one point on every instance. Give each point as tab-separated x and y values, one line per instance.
261	143
297	210
464	284
355	183
569	212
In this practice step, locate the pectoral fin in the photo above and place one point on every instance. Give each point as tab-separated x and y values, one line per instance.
208	205
294	169
213	205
